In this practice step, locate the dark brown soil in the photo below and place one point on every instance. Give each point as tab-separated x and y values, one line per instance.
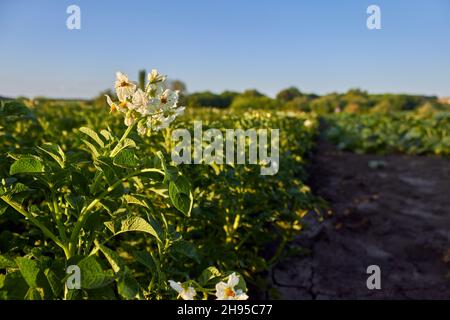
394	213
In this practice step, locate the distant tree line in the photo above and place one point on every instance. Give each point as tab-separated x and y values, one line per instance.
354	100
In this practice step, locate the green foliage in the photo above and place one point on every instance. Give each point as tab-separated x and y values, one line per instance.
251	102
289	94
357	101
406	132
238	213
209	99
130	220
27	164
326	104
180	195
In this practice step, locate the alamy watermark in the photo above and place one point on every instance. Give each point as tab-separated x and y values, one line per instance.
373	22
374	280
74	279
239	146
73	21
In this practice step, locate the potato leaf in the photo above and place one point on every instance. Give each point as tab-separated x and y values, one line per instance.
92	274
180	194
91	133
54	151
27	164
126	159
131	223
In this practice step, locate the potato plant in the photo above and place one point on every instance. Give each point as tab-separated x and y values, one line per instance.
78	202
82	187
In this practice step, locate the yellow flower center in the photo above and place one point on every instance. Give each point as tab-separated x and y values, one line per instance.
124	84
229	292
123	104
164	100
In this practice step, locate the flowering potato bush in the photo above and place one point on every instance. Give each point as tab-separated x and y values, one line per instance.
74	193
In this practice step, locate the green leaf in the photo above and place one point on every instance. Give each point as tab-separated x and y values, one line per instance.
156	226
186	248
208	274
91	133
127	143
170	173
126	159
145	259
27	164
55	282
91	147
131	223
110	205
29	270
130	199
6	262
180	195
13	286
128	287
54	151
113	258
92	274
19	188
76	202
3	207
105	293
35	294
106	134
105	164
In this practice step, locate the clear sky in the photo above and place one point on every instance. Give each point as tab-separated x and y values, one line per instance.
319	46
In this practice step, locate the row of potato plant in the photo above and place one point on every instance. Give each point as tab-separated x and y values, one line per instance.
76	192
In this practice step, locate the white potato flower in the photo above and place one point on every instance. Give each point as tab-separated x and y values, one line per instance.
164	122
168	99
167	103
185	294
124	87
139	101
227	291
154	109
154	77
111	104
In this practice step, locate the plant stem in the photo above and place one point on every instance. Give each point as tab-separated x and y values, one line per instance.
124	136
85	211
59	224
36	222
278	252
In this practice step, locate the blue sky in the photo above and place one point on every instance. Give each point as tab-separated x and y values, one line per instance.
318	46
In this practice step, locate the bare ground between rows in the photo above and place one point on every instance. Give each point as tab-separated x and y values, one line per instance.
396	216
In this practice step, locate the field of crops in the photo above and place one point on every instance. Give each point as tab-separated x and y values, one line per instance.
399	132
81	188
93	204
294	150
74	193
